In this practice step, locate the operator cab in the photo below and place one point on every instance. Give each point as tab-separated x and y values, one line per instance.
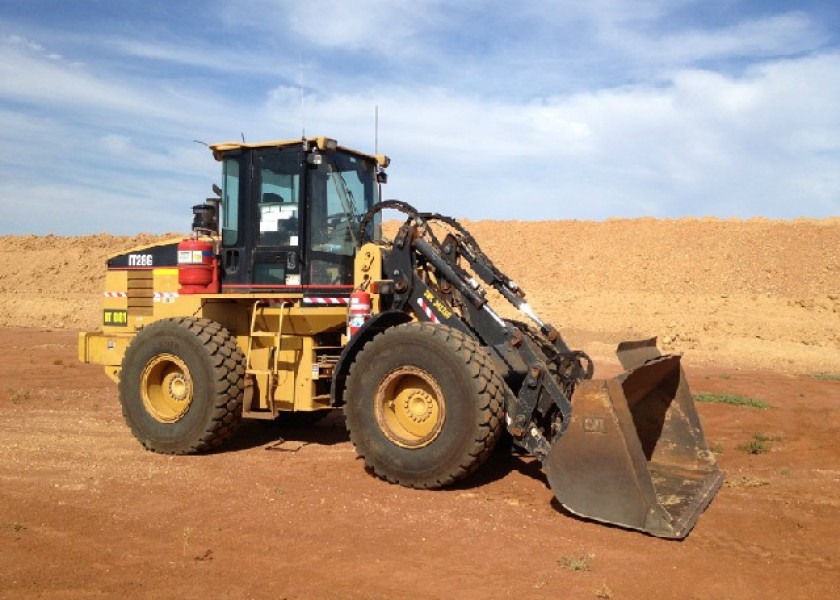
290	214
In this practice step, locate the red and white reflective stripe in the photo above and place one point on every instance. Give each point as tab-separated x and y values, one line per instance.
115	294
164	296
427	310
326	301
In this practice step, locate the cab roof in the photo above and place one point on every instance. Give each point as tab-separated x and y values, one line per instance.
324	144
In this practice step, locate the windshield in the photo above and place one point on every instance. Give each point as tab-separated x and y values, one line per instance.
354	183
342	189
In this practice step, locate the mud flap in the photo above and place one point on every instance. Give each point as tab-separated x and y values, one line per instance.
634	453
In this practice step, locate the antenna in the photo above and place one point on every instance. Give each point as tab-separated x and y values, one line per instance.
376	129
300	90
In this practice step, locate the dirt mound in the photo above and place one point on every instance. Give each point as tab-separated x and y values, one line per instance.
755	293
55	281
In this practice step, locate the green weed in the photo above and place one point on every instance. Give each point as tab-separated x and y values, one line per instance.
575	562
827	376
759	444
746	481
733	399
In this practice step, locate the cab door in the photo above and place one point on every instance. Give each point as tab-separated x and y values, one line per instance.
277	193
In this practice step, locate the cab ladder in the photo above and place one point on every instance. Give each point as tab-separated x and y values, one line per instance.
266	378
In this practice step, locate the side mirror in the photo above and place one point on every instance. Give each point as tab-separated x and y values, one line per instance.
382	177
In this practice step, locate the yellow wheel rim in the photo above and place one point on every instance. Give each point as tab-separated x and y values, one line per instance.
167	388
410	407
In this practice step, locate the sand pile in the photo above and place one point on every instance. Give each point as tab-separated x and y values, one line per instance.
755	293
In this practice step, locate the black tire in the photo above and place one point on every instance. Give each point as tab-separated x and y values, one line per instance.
411	365
181	385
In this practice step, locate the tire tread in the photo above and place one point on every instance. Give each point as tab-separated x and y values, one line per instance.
227	363
489	394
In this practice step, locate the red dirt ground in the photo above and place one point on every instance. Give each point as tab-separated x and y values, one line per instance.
85	512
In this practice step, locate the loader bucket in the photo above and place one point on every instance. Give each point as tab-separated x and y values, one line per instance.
634	453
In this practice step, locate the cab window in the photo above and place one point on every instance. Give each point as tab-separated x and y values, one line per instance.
279	197
230	202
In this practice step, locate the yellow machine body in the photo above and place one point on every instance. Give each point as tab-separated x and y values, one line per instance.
429	380
292	368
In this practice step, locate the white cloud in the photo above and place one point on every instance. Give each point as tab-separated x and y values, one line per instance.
116	144
353	25
42	80
204	55
780	35
102	96
571	110
703	143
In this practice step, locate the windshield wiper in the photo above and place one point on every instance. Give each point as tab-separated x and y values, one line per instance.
348	204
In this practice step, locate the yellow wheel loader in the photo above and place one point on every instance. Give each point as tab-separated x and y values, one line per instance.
286	300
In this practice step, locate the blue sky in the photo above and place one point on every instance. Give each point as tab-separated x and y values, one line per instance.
581	109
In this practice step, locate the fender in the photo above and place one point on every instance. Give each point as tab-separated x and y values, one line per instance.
366	333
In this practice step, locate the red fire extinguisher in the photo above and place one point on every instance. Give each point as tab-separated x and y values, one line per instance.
358	311
198	268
